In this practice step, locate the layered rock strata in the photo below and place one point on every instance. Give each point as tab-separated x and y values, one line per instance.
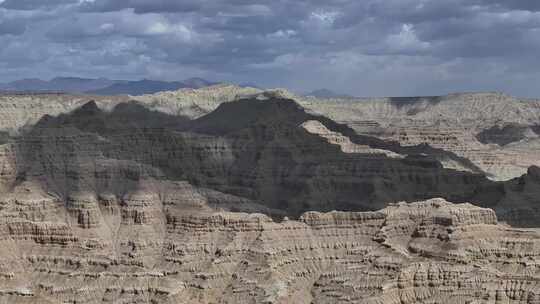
267	156
496	132
198	196
156	252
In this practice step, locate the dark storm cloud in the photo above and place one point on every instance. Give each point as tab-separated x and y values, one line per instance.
34	4
369	47
141	6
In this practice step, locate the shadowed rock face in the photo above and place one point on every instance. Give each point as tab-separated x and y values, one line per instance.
4	137
502	135
447	123
135	205
411	102
491	130
258	150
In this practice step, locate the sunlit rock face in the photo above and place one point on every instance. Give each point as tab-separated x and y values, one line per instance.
143	250
498	133
233	195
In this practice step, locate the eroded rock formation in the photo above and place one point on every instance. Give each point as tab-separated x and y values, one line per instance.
228	195
494	131
267	151
144	250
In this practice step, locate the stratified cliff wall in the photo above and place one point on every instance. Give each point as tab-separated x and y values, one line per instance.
142	250
229	195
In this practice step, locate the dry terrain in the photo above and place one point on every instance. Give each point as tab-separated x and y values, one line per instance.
227	194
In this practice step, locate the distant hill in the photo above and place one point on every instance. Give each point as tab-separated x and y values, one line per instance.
197	83
28	84
325	93
63	84
101	86
140	87
73	84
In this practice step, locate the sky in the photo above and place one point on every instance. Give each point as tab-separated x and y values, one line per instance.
357	47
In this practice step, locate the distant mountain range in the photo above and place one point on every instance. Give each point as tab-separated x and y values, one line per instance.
105	86
102	86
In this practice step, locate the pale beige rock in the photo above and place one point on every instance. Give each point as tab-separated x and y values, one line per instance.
424	252
316	127
449	122
272	158
95	208
194	103
19	110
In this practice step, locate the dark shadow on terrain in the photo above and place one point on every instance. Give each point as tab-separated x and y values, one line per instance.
536	129
4	137
502	136
248	148
125	116
423	151
400	102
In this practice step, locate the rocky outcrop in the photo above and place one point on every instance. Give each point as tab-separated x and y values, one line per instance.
263	155
347	146
480	127
423	252
18	110
197	196
458	123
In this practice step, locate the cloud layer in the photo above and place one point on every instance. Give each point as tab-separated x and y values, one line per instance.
369	47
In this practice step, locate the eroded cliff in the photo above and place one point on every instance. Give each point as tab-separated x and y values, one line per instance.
232	200
145	250
269	152
495	131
